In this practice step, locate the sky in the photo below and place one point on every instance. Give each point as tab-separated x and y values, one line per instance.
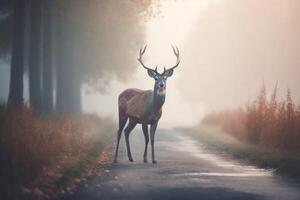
238	45
228	49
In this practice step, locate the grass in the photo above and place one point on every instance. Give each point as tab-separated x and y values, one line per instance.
87	162
40	156
283	162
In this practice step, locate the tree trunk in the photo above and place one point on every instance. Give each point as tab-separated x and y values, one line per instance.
35	56
17	63
68	96
47	57
68	85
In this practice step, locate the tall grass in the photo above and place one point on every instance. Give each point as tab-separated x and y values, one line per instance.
265	122
34	147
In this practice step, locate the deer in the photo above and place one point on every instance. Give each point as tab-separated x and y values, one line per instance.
143	106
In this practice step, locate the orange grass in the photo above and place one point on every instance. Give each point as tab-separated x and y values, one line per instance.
265	122
34	148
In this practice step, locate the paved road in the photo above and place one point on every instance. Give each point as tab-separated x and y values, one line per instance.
185	170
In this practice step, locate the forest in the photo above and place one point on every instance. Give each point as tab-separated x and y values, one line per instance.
56	45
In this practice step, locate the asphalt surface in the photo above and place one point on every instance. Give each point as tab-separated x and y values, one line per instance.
184	170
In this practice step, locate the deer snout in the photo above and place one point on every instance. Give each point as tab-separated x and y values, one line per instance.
161	85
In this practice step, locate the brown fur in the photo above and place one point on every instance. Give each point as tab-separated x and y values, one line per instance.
132	102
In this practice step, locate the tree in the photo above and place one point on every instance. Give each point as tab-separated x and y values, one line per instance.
17	61
48	56
96	42
68	95
6	30
35	92
100	43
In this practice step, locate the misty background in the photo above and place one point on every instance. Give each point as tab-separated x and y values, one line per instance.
227	49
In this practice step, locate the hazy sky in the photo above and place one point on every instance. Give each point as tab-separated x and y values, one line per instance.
228	49
236	45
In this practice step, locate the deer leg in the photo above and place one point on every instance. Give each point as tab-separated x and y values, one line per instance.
152	134
146	135
128	130
122	122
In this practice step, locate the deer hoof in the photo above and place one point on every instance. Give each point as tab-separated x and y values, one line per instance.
154	161
130	159
115	161
145	160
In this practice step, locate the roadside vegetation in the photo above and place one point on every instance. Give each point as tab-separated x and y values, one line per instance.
43	157
266	133
282	162
264	121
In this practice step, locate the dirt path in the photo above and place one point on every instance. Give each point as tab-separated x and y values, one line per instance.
185	170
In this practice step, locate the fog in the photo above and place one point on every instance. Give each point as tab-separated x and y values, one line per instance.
238	45
171	27
228	50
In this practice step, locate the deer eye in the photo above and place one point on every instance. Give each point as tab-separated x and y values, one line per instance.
156	78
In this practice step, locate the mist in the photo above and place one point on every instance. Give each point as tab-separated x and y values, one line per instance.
238	45
228	49
146	99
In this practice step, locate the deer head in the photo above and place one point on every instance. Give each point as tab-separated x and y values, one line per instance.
160	78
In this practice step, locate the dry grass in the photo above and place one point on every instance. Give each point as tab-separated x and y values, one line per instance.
267	132
36	151
283	162
265	122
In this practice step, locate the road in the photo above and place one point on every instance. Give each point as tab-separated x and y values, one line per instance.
185	170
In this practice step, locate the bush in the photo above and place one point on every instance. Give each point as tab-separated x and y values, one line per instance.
264	122
32	146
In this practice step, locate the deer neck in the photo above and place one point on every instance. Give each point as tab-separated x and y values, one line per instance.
158	98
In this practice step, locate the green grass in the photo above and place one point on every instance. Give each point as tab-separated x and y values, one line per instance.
285	163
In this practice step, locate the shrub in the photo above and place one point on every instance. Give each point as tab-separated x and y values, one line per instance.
263	122
32	146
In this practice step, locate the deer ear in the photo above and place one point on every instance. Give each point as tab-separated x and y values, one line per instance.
168	72
151	73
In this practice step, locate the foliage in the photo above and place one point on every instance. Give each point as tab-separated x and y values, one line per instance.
108	30
37	150
265	122
100	30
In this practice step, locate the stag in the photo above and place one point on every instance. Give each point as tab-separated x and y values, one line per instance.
144	106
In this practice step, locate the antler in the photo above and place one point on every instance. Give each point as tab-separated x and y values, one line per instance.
176	52
140	58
